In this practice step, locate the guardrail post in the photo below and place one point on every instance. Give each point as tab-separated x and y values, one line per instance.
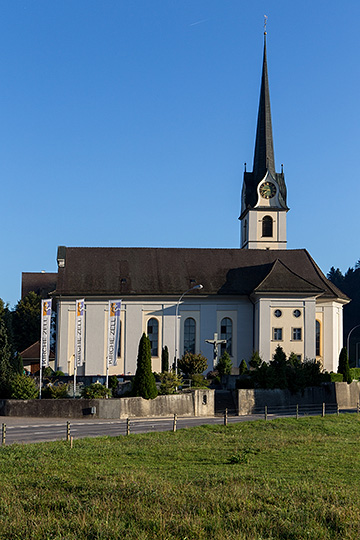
225	417
3	435
358	407
266	412
337	409
68	431
323	410
128	426
297	412
174	423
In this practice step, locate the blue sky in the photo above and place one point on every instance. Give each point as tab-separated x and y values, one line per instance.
127	123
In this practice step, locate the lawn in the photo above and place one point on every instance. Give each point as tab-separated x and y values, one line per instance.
284	479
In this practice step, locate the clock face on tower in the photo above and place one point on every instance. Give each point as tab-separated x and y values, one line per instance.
267	190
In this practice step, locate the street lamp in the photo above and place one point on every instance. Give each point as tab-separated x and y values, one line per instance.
348	339
176	319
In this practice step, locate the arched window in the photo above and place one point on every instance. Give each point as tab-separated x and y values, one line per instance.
267	226
153	333
189	335
226	333
317	338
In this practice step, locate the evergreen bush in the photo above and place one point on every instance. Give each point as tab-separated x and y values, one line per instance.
23	387
255	360
144	384
165	360
191	364
344	367
224	365
95	391
55	391
170	382
243	367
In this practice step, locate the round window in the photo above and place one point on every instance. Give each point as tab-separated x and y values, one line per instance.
277	312
296	313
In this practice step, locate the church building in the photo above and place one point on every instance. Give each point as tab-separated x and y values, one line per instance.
255	297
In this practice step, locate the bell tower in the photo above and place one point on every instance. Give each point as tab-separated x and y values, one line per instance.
263	200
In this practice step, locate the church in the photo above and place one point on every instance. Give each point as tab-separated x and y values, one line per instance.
252	298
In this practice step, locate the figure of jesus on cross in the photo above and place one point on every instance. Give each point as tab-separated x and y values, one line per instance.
215	343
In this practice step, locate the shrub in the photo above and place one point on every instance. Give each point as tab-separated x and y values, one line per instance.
144	381
224	365
113	384
336	377
95	391
355	373
198	381
191	364
48	372
23	387
255	360
243	367
170	382
55	391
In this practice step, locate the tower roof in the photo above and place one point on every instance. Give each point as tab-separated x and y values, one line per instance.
264	160
264	147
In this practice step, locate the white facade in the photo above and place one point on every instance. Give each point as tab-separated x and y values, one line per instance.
255	325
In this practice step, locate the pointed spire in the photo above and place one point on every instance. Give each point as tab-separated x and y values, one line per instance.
264	147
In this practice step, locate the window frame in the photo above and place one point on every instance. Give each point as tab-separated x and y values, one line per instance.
193	348
274	333
151	341
228	346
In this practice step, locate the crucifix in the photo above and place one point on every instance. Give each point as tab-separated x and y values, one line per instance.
215	343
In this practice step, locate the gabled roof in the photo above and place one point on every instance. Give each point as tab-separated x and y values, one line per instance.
282	279
109	272
33	352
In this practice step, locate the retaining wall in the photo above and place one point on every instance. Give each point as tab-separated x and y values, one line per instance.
193	403
347	396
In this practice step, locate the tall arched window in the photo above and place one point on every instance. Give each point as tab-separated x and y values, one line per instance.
267	226
317	338
153	333
226	333
189	335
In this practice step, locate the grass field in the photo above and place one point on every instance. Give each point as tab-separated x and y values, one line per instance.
284	479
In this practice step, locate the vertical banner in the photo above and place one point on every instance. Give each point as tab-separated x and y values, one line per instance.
79	333
45	332
113	331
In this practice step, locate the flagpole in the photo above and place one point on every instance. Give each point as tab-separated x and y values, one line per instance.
40	378
74	377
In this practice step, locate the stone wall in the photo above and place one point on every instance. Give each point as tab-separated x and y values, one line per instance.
192	403
345	395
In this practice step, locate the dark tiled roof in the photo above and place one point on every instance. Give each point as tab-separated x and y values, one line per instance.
33	352
42	283
171	271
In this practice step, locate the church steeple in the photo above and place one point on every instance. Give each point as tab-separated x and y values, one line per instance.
263	204
264	146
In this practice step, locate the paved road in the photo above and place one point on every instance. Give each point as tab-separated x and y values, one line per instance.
26	430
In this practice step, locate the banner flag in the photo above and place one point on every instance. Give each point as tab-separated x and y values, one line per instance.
79	333
113	331
45	332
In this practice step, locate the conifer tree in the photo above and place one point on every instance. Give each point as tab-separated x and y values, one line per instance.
344	367
164	359
144	381
243	367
